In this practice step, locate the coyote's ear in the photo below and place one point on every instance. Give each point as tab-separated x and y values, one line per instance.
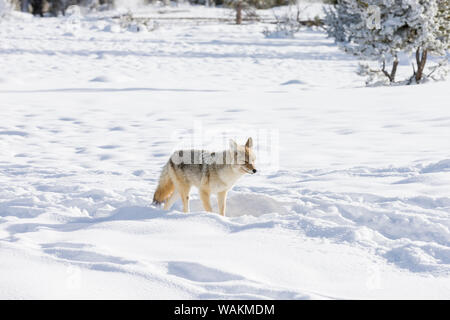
233	145
249	143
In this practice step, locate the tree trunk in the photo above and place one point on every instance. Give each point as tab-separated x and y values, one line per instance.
38	7
391	75
394	69
239	12
24	5
421	60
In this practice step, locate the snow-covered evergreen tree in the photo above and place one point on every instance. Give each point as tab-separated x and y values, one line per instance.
380	29
443	17
430	27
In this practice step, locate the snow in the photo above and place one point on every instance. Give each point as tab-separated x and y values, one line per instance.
352	203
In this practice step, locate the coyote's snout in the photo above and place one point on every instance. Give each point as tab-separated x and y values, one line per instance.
210	172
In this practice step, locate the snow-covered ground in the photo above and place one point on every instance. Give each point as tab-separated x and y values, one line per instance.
351	199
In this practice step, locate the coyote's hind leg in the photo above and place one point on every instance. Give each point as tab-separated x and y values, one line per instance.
204	195
173	197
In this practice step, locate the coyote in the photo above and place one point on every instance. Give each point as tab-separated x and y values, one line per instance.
210	172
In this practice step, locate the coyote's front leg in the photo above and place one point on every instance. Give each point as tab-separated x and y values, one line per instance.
222	201
204	195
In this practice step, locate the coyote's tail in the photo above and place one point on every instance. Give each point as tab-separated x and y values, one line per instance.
165	186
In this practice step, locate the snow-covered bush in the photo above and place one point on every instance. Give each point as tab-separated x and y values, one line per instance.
381	29
287	24
439	71
290	21
281	31
374	77
128	22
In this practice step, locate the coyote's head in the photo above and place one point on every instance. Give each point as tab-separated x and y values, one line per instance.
243	157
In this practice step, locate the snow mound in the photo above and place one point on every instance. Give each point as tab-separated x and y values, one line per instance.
441	166
292	82
240	204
